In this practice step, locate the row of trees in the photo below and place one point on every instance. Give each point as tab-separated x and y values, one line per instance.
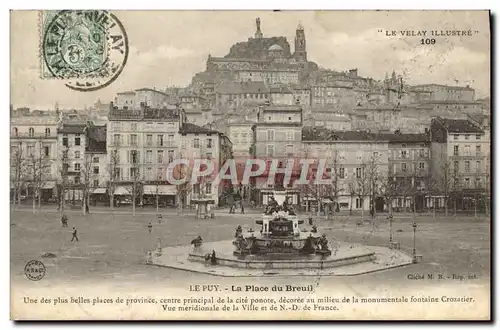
371	181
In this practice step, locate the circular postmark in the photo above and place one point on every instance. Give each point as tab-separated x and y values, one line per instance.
88	49
34	270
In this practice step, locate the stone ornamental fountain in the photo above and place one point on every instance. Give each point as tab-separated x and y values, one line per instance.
282	246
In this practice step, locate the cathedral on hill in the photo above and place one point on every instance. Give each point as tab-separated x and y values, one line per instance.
266	59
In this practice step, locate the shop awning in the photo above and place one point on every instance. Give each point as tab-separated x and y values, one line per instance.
49	185
162	190
124	191
99	191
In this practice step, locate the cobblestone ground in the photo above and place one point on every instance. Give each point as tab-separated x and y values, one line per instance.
112	247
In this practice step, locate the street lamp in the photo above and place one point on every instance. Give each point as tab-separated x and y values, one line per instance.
390	228
414	242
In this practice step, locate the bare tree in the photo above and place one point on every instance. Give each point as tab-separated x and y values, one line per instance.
18	170
446	181
63	170
335	176
114	175
86	181
361	185
38	171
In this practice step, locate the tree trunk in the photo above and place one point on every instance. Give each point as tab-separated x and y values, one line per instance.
455	207
133	198
362	200
157	202
475	207
446	206
34	201
350	206
434	208
39	201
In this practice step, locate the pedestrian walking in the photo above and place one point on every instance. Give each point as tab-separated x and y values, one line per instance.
150	227
74	235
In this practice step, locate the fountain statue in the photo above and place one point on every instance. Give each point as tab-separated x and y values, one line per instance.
280	233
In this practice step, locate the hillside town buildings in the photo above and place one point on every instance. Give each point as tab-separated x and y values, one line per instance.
265	99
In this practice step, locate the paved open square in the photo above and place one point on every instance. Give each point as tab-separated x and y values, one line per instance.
113	247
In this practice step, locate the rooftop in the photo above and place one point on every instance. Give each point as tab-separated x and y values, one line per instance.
459	125
239	88
324	134
446	86
72	129
189	128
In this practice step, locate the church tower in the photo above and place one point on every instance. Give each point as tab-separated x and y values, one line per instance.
300	44
258	32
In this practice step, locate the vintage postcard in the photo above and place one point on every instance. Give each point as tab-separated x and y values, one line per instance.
250	165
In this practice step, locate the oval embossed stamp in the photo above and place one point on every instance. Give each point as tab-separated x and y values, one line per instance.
34	270
87	49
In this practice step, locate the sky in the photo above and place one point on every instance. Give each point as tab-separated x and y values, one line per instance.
169	47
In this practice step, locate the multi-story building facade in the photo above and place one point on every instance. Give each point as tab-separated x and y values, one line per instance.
356	162
148	96
203	143
33	152
97	164
230	94
460	159
277	136
409	174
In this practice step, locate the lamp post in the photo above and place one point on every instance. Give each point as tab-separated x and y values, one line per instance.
414	242
390	228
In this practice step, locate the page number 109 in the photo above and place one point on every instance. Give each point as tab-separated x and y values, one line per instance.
427	41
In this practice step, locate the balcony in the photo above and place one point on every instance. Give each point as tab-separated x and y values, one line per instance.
32	136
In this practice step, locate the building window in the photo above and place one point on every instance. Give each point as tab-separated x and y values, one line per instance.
160	156
422	153
170	139
47	132
77	167
467	166
133	139
77	154
478	136
65	141
467	150
133	127
466	136
455	167
77	180
358	203
208	189
96	169
134	156
289	150
116	139
65	154
96	183
95	160
478	165
77	140
478	183
404	153
289	136
478	150
359	172
160	140
149	156
341	172
16	131
455	137
196	143
170	156
467	182
31	151
149	140
455	150
270	150
46	151
31	132
421	166
270	135
403	167
209	143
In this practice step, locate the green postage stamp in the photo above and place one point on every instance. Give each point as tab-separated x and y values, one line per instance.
88	49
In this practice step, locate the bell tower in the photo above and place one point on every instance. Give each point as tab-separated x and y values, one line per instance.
300	44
